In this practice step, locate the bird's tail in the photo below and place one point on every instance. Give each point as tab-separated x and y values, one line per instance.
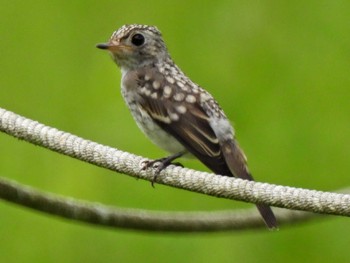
236	161
268	216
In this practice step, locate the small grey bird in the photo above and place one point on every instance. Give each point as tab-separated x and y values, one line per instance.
175	113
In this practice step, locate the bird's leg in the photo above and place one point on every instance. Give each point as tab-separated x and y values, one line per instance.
163	163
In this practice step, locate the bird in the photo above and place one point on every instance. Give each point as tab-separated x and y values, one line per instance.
175	113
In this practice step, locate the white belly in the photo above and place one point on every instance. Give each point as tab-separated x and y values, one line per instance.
155	133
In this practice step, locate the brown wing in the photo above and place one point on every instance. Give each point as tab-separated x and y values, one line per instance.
192	129
182	117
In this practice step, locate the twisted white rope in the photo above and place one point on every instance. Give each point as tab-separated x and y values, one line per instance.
201	182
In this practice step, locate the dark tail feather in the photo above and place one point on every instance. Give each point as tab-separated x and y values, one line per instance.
268	216
236	161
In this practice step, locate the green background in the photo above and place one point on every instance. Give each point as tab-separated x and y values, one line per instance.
280	70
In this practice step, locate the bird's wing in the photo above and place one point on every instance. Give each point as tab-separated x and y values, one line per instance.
178	111
191	129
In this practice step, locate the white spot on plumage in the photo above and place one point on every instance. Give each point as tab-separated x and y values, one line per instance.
179	96
154	95
170	79
147	77
195	89
185	88
181	109
205	97
180	84
167	90
156	84
145	90
174	116
190	98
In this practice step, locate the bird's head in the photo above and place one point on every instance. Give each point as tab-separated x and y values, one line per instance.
134	46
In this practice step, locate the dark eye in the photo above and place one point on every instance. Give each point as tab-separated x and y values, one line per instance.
138	39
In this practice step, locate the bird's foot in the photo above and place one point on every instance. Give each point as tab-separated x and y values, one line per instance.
161	164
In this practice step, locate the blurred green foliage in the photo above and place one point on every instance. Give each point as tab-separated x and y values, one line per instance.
279	69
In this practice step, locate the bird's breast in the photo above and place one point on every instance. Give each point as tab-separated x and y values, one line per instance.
148	126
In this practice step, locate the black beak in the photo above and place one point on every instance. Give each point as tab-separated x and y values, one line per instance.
103	46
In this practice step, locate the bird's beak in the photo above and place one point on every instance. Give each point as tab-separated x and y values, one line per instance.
110	46
103	46
113	46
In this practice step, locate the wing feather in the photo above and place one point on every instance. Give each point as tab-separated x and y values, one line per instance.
192	127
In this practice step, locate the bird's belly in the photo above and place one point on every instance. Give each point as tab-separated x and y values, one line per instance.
152	130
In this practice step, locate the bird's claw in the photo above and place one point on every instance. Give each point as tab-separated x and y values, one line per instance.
159	165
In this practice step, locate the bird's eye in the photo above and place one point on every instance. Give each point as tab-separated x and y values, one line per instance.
138	39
